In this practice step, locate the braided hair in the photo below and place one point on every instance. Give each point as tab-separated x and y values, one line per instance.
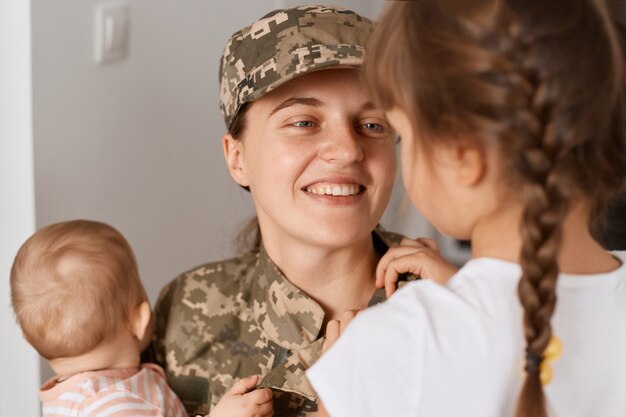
540	81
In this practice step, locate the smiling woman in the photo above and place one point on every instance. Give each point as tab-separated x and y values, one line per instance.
319	161
315	152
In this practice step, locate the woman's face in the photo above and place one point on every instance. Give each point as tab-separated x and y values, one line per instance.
319	160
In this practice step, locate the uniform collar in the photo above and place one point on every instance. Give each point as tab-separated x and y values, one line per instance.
293	320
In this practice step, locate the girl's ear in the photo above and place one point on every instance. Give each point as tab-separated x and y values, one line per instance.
233	153
141	325
471	165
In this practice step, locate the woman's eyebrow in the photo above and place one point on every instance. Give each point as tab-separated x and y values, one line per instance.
368	106
292	101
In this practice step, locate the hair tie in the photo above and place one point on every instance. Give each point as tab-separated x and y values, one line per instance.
533	362
541	364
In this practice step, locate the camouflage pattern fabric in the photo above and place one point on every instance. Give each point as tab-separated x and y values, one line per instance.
226	320
285	44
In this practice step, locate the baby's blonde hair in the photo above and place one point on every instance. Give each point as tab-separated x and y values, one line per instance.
73	284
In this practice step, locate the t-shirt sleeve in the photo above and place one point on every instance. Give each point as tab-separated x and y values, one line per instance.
373	369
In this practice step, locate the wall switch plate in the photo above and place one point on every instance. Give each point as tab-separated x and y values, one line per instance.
112	28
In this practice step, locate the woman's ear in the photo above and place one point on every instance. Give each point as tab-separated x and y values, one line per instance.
141	325
233	153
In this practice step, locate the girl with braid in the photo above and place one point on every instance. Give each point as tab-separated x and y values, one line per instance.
511	115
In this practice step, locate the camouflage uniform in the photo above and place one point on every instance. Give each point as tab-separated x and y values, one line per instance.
226	320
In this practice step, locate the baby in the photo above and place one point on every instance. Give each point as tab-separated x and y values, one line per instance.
77	296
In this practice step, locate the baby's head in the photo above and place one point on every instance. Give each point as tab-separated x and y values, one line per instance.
74	285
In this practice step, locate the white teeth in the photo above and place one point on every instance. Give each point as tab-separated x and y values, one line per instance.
334	189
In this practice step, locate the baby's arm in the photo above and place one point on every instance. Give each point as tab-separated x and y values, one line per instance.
239	401
420	257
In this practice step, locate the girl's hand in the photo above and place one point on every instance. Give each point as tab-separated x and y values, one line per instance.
335	328
419	257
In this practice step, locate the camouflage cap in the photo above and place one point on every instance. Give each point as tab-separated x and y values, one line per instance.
285	44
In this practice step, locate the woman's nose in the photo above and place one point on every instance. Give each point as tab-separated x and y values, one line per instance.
341	146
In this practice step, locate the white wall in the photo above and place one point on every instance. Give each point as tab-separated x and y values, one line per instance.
19	379
137	143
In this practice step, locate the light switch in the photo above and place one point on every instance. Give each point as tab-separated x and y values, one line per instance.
112	25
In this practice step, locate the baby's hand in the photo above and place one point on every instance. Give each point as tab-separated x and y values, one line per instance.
420	257
239	401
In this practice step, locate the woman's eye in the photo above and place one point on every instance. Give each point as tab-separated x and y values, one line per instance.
374	127
303	123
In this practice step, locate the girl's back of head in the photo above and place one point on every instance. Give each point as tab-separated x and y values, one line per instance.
539	81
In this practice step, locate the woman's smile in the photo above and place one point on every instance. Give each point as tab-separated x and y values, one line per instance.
334	190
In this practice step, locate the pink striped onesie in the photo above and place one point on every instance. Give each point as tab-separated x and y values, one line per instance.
136	392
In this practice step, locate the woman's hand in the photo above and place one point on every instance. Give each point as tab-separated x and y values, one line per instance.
242	400
419	257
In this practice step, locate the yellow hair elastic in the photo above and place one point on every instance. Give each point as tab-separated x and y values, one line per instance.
552	352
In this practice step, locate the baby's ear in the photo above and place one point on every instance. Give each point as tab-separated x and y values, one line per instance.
141	325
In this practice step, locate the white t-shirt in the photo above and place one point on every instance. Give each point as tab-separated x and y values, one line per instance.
458	350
